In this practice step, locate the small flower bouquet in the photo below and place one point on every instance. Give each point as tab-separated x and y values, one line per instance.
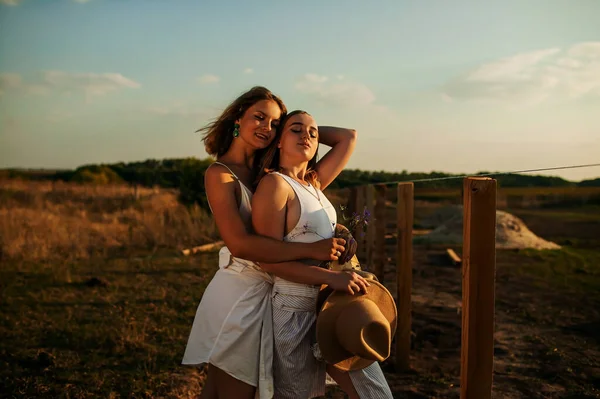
358	222
354	225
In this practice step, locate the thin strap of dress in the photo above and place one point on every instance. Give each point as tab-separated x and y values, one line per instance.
234	175
230	171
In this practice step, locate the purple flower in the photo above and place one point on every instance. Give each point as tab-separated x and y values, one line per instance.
358	221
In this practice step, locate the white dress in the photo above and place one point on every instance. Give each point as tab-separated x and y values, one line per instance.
233	325
297	373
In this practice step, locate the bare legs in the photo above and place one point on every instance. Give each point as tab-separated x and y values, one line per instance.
220	385
209	390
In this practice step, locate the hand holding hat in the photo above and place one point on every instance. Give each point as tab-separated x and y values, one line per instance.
353	331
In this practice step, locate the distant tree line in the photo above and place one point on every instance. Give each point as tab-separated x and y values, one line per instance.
187	175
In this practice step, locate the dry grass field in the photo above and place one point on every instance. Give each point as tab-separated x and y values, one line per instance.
96	300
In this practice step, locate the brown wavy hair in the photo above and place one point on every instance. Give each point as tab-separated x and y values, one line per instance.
270	160
218	134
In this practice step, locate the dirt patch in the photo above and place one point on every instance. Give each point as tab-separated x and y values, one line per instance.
547	343
547	315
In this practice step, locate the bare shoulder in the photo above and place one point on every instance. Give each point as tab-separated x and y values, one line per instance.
272	182
273	186
217	173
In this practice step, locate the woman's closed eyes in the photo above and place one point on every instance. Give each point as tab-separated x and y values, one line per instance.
313	134
260	117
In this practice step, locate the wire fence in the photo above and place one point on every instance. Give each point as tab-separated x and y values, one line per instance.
493	174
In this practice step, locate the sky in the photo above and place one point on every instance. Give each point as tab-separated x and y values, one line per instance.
457	86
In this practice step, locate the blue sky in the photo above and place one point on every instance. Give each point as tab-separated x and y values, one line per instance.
455	86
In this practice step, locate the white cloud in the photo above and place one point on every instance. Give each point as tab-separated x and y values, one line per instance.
13	82
585	50
343	95
516	67
339	92
209	79
248	71
91	84
534	77
9	81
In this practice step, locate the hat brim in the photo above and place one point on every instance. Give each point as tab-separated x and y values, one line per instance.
326	290
331	350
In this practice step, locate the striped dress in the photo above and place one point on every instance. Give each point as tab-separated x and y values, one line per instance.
297	373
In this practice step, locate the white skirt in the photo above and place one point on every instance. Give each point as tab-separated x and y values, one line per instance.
233	327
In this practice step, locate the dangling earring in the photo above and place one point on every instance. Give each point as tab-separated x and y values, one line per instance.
236	130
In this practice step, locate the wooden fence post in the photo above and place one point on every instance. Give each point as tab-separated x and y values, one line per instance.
351	202
380	257
404	273
359	236
370	244
478	275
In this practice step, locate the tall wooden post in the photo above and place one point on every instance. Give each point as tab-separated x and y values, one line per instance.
370	244
351	202
404	273
359	235
478	275
380	256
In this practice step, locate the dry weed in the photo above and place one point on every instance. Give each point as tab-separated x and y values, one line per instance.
48	220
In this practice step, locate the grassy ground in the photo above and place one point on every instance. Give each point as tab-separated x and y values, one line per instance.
102	328
115	325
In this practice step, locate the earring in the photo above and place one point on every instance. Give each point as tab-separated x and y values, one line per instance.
236	130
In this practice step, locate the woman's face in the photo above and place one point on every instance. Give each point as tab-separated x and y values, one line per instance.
300	138
259	123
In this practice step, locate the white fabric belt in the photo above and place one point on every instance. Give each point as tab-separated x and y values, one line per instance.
228	261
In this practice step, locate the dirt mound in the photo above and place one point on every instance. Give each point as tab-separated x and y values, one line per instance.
511	232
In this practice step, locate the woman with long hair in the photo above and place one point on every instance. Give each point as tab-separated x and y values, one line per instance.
289	205
231	331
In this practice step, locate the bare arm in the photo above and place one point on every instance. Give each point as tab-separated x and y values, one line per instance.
269	207
342	142
220	189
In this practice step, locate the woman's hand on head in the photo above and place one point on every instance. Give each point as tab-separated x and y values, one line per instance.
348	282
328	249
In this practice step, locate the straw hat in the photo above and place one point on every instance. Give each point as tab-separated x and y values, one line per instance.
354	331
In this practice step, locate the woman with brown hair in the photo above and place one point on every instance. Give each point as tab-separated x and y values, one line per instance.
232	330
289	205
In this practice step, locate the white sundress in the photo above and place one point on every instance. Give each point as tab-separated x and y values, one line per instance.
232	329
297	372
